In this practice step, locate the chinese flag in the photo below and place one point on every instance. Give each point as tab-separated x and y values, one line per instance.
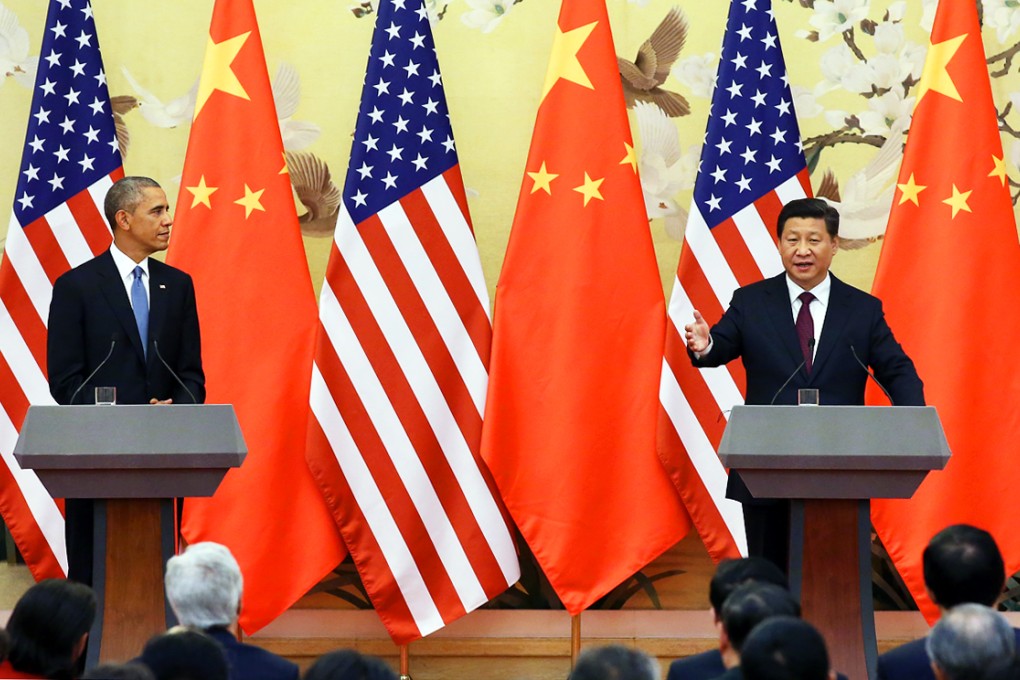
569	430
237	235
952	300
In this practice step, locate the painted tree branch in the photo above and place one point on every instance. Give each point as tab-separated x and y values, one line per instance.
851	41
1006	57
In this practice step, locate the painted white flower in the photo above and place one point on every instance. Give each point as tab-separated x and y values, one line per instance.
697	73
1014	155
891	110
835	118
928	14
486	14
1003	16
435	8
841	69
888	37
914	55
832	17
888	70
805	102
897	11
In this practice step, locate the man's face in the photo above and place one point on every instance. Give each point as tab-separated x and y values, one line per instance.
146	229
807	250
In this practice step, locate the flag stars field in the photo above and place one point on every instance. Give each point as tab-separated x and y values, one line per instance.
217	71
590	188
958	201
542	180
201	193
251	201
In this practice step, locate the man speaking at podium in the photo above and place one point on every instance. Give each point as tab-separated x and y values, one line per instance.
127	321
802	329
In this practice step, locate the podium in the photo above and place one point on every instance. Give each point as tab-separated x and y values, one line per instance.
133	460
831	461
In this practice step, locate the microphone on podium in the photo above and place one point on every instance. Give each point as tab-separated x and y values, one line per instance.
811	349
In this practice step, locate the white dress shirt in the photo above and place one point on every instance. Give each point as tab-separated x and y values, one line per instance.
126	269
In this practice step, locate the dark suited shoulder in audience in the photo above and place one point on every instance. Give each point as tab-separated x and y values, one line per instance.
910	661
249	662
703	666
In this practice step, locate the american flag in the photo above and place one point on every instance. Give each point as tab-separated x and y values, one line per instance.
69	161
400	374
752	163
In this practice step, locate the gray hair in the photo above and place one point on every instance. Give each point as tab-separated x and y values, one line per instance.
971	642
203	585
125	194
615	662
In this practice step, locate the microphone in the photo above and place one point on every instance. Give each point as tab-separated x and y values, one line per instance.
155	345
872	376
811	349
113	343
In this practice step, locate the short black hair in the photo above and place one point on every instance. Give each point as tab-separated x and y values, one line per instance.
347	664
119	671
963	564
784	648
752	603
811	208
47	623
185	654
614	662
730	574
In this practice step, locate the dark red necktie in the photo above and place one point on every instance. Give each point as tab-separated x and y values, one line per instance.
806	328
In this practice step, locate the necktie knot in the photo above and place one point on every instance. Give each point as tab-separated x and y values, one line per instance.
804	297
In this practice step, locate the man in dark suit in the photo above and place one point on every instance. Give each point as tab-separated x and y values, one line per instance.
127	321
962	565
729	575
745	608
204	587
802	329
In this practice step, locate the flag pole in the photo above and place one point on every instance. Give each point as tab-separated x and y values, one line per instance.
575	639
405	663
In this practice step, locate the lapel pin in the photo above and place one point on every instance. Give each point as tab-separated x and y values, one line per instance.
162	286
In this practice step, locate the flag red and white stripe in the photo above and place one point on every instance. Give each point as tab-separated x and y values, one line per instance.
751	165
400	374
69	162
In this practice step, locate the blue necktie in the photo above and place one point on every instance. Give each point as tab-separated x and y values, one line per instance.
140	303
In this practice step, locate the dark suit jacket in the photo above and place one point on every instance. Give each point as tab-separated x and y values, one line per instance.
759	328
248	662
90	310
910	661
704	666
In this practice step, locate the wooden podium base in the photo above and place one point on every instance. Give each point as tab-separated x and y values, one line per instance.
133	540
830	565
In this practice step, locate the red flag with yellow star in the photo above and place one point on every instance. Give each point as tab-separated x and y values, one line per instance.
237	234
952	301
569	430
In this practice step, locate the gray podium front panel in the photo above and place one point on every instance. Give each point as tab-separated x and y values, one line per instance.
833	451
138	451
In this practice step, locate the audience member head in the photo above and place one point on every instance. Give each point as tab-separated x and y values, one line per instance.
346	664
963	564
730	574
49	626
614	662
203	586
971	642
185	654
749	605
119	671
785	648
